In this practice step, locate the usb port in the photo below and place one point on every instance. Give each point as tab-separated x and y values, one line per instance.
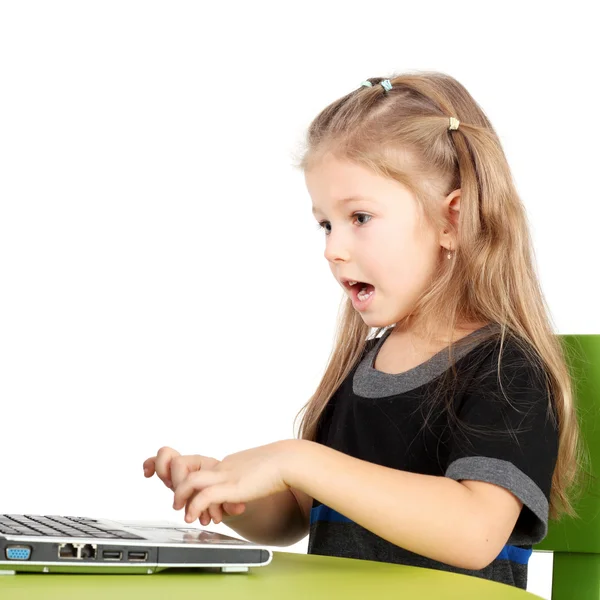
140	556
112	554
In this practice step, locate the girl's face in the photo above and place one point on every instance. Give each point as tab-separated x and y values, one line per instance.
373	236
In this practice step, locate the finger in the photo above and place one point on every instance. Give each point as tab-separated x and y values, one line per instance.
205	518
195	482
182	466
216	513
163	464
215	494
234	508
149	468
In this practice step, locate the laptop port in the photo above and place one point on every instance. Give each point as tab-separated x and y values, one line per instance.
112	554
67	551
18	552
137	556
88	551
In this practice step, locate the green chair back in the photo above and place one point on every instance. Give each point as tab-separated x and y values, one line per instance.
576	541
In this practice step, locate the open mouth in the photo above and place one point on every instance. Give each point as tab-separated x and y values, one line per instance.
360	290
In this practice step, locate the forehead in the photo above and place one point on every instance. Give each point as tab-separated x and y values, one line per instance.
335	184
335	177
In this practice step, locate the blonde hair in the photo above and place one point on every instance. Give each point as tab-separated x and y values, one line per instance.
404	134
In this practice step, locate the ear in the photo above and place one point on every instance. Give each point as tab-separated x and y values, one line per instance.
450	212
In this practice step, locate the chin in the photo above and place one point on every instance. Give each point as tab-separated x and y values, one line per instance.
374	321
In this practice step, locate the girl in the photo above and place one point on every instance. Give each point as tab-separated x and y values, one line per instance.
443	433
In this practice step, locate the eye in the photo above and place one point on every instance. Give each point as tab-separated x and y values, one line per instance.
364	216
363	219
324	225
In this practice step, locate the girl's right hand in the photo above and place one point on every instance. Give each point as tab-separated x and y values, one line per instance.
172	468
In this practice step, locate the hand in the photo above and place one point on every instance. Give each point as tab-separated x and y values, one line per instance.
172	468
240	477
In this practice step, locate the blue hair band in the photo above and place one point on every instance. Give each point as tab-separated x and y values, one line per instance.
386	83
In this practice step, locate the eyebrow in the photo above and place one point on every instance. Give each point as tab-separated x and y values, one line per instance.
344	201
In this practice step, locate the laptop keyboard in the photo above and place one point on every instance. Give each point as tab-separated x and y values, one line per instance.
56	526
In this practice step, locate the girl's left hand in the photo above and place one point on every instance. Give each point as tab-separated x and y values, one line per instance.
240	477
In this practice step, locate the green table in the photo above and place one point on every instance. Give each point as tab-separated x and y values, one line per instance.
288	577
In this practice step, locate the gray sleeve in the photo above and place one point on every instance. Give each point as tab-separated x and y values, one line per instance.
504	434
532	525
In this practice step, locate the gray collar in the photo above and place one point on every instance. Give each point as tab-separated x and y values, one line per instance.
368	382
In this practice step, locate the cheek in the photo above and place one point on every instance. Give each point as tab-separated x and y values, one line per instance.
394	245
406	257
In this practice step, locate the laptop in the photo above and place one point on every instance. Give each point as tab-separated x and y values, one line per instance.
60	544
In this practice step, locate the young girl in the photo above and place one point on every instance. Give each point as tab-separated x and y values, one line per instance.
443	433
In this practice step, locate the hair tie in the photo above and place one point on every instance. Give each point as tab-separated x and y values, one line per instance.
454	123
387	84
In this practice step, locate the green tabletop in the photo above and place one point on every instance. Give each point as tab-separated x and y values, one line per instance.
289	576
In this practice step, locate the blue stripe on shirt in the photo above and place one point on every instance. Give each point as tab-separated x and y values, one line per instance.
515	554
324	513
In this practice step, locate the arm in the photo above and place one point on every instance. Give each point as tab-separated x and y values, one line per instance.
277	520
464	524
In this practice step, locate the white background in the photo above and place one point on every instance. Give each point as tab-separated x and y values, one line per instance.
162	280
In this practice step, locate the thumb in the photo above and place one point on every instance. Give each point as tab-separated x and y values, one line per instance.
234	508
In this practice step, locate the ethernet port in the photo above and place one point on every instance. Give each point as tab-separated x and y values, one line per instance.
67	551
88	551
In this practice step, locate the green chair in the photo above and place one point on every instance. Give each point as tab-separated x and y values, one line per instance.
576	541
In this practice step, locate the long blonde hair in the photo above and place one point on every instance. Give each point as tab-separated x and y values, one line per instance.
404	134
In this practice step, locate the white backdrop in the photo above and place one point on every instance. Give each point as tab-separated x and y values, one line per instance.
162	279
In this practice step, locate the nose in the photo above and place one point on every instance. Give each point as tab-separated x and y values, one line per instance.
336	250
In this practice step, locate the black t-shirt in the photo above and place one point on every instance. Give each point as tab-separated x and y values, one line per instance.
501	432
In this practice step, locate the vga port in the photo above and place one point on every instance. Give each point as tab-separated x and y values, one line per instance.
18	552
